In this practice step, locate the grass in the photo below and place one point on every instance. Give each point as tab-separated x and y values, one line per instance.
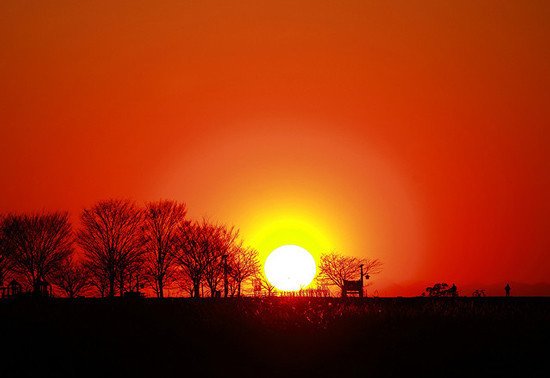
276	337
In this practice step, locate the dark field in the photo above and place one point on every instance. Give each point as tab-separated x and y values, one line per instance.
279	337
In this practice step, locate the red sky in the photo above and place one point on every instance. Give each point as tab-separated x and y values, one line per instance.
415	132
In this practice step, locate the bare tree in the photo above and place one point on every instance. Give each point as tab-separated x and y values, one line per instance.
191	257
201	246
112	242
221	240
336	268
441	290
162	221
72	278
243	263
261	280
97	277
184	283
6	261
38	244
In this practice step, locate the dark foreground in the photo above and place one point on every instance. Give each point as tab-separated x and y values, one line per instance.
278	337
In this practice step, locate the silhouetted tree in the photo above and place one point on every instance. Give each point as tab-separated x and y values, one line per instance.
437	289
335	268
222	241
72	278
261	279
38	244
478	293
162	221
441	290
243	263
111	237
201	246
97	277
183	282
322	285
191	256
6	262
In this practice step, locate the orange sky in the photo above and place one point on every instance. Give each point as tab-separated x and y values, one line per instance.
416	132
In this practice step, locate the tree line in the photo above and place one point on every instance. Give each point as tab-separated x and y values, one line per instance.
126	248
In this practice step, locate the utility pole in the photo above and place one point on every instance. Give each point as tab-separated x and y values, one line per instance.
361	291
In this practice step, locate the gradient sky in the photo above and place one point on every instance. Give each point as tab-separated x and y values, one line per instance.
414	132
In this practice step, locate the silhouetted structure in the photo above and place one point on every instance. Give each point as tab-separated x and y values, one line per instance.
354	287
134	291
507	289
339	270
13	289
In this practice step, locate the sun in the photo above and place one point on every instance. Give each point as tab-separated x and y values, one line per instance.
290	268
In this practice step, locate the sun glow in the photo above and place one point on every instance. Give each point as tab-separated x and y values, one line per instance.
290	268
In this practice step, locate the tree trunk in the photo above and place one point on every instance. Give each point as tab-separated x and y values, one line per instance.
196	289
160	284
35	289
239	289
112	286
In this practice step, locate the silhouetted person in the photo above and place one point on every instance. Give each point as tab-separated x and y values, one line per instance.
507	290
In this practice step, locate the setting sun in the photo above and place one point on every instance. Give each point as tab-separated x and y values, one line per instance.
290	268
